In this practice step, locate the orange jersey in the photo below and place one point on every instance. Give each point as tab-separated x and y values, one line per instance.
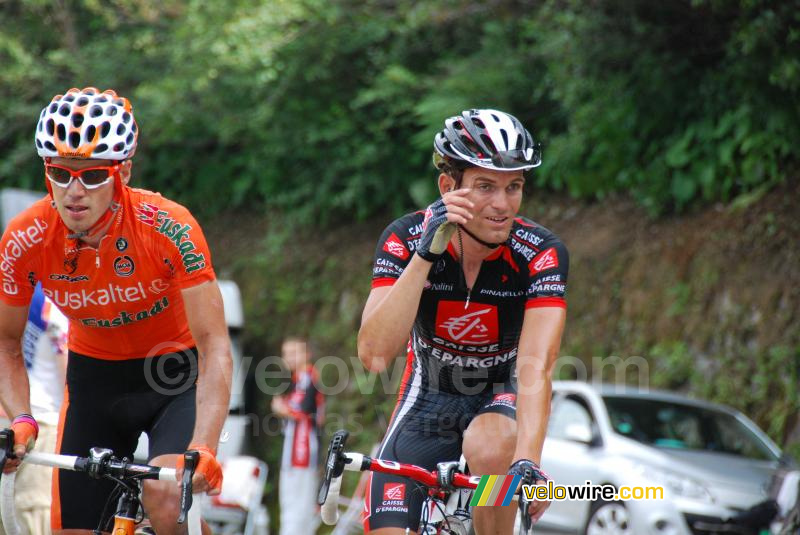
123	299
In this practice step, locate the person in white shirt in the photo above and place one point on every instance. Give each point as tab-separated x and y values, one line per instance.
44	346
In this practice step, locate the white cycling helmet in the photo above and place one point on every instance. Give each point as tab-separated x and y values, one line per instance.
486	138
85	123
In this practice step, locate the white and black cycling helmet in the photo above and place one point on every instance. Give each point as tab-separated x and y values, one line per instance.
486	138
85	123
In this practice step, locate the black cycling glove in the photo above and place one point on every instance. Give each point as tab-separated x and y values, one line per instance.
533	471
436	232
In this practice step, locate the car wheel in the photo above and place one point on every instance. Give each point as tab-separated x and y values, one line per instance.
608	518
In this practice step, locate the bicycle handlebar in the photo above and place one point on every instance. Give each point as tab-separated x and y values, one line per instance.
338	461
100	463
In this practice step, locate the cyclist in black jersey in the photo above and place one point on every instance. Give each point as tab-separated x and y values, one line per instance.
481	290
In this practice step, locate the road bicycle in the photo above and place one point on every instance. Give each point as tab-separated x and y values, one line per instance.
446	510
102	464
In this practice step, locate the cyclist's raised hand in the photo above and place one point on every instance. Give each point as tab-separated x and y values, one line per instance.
441	218
208	474
532	474
26	431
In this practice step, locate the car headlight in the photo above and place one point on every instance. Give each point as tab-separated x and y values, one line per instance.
676	484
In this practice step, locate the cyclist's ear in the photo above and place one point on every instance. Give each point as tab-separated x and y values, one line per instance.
125	171
446	183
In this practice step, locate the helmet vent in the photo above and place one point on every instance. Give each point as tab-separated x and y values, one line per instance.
120	129
64	110
53	107
74	139
38	144
129	139
96	111
102	147
477	122
49	146
112	110
100	98
61	133
69	98
90	132
471	145
105	128
489	143
126	117
77	120
50	126
83	101
504	134
119	146
495	117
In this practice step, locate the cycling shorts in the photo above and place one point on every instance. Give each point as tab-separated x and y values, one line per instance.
108	404
427	428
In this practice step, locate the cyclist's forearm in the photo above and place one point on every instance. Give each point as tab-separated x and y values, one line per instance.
213	390
539	346
14	388
533	413
385	326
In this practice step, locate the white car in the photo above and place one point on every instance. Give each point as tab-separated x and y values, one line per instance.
710	460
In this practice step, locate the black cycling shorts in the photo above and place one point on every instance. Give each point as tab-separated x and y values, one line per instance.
108	404
427	428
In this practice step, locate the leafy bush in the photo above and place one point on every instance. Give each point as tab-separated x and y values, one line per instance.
328	109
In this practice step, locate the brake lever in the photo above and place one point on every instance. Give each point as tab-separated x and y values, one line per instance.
190	459
524	504
6	447
334	465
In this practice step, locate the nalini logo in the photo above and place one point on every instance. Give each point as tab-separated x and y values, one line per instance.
476	325
395	247
394	492
547	259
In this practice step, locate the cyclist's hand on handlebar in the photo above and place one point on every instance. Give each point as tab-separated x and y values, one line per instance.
26	431
537	476
208	474
441	219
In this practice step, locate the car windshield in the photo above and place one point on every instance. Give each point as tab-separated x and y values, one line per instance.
666	424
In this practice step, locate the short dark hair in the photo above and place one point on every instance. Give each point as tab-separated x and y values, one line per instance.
455	171
310	345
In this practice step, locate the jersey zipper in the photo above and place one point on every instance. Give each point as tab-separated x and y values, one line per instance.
461	267
97	251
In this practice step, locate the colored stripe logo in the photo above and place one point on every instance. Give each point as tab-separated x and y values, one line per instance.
495	490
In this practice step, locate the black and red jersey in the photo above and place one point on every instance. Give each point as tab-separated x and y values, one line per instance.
465	340
306	414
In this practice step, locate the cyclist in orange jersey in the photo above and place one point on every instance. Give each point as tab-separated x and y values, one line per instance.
148	344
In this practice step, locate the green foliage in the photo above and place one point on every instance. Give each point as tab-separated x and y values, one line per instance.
677	102
328	109
746	383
